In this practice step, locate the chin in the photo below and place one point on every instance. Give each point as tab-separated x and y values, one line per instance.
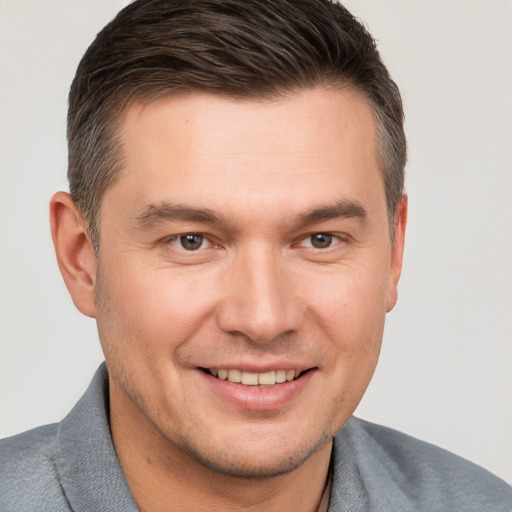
257	462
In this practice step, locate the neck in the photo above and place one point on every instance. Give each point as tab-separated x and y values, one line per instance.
161	476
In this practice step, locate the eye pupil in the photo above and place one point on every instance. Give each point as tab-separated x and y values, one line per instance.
191	242
321	240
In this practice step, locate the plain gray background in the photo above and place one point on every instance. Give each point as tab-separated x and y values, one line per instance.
446	364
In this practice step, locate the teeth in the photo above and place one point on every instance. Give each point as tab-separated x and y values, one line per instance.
268	378
250	379
253	379
280	376
235	376
290	375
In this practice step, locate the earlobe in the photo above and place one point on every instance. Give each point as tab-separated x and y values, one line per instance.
397	252
74	251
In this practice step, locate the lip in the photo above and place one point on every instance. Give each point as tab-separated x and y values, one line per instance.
257	398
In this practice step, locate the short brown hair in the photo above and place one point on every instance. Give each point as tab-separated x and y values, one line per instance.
238	48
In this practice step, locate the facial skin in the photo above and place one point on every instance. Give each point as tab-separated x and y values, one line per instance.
256	180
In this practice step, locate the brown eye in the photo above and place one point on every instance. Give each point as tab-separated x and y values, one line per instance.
321	240
191	242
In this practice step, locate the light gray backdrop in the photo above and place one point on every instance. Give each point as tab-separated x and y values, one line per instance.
445	370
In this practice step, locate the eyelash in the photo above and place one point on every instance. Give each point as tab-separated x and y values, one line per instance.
179	239
331	238
322	237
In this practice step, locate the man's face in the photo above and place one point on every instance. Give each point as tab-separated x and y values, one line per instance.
247	239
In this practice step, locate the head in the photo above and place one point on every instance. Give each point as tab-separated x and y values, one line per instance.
246	50
236	170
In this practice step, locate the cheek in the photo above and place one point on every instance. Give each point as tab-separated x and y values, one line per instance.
351	304
350	313
153	310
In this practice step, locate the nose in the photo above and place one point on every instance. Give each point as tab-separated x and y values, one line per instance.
260	302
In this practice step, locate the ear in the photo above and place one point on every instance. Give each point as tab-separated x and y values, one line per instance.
74	251
397	252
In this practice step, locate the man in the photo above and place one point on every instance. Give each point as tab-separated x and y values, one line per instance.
235	226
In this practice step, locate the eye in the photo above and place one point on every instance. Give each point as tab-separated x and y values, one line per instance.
189	242
320	240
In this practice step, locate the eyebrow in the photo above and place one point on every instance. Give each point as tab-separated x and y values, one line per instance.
339	210
153	215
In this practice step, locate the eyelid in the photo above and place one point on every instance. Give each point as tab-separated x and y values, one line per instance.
337	239
170	240
207	239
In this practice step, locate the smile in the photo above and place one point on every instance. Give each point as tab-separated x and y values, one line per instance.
269	378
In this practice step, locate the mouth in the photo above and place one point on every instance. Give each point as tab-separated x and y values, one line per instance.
269	378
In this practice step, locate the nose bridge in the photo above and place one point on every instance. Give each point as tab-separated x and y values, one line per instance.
260	302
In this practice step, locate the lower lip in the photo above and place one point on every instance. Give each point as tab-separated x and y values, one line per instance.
257	398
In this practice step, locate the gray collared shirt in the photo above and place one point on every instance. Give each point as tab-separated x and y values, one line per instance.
72	466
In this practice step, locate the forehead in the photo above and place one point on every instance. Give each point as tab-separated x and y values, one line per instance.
214	149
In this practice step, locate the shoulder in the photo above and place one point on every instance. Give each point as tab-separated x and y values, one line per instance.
29	453
28	474
424	475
